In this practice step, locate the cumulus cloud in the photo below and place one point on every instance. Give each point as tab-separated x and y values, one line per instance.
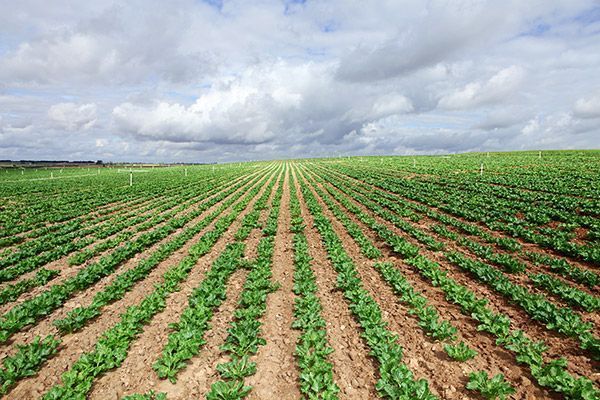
440	32
72	117
262	104
195	80
504	83
250	108
588	107
503	118
109	47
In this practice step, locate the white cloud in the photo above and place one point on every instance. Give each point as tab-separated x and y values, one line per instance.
72	117
504	83
250	108
150	80
588	107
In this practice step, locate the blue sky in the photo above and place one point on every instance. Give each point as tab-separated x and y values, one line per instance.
220	80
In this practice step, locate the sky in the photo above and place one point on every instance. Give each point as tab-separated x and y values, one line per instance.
220	80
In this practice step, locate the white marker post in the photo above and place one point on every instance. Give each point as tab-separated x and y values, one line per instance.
488	153
481	170
540	155
51	175
186	172
130	178
414	162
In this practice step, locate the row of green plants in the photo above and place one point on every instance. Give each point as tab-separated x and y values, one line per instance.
126	226
429	319
244	333
571	295
432	324
69	245
367	248
537	207
12	291
312	347
187	336
66	237
507	243
50	213
42	277
28	312
46	205
565	292
78	317
496	214
243	338
559	178
562	267
26	361
396	381
112	348
552	374
562	320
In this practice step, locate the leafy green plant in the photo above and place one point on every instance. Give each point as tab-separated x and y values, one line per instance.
460	351
494	388
26	361
151	395
228	390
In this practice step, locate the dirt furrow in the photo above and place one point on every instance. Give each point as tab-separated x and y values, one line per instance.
146	349
559	345
74	345
424	356
277	375
354	370
527	246
84	298
67	270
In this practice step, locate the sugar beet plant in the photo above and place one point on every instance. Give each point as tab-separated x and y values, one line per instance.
244	335
187	339
396	380
312	348
111	349
551	374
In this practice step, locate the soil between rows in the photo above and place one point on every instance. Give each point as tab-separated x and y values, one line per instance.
74	345
559	345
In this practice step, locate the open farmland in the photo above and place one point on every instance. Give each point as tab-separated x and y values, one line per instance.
442	277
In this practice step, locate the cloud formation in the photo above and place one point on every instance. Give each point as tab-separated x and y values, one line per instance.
588	107
502	84
215	81
71	116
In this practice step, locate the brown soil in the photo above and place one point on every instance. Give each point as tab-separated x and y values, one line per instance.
276	374
354	371
76	344
148	346
425	357
559	345
527	246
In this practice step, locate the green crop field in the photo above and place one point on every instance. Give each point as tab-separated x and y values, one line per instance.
429	277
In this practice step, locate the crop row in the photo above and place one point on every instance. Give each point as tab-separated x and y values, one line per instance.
550	374
29	311
112	348
395	378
